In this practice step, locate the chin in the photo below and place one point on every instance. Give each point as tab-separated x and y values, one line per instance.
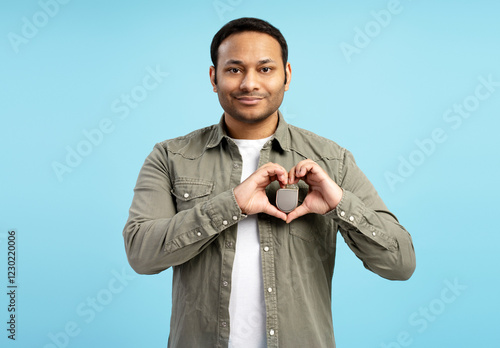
251	118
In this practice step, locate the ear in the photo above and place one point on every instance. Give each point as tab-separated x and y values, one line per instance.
212	78
288	72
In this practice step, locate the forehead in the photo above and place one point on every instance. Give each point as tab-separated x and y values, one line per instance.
249	47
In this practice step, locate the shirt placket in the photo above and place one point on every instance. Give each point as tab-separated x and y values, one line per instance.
268	269
228	249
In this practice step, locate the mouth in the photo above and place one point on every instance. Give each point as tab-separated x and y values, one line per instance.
249	100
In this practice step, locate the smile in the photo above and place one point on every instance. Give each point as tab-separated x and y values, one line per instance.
249	100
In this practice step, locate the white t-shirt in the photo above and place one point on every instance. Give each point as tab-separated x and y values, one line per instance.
247	309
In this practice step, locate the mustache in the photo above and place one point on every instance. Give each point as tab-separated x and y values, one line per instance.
249	95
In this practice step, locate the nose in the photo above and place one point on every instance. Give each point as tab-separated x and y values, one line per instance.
250	81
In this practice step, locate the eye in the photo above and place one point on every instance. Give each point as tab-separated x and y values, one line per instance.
233	70
266	69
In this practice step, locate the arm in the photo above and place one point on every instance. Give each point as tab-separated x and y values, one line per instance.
156	235
374	235
369	229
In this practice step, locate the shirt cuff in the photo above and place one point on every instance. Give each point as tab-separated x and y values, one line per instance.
351	214
224	211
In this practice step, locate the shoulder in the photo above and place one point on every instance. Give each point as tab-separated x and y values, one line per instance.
313	146
191	145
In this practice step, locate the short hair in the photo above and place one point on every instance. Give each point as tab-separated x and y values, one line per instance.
247	24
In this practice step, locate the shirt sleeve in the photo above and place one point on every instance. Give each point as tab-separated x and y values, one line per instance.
370	230
156	236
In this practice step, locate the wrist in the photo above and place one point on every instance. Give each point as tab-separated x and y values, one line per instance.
336	197
237	197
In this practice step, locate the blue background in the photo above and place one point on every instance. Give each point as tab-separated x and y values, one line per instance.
65	66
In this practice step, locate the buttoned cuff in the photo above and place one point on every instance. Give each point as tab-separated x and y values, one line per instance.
351	214
224	211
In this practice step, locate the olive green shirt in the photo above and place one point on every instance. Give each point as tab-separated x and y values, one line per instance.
184	215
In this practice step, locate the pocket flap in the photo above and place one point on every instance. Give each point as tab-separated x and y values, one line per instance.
187	189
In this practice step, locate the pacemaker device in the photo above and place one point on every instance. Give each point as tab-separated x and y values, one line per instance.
287	198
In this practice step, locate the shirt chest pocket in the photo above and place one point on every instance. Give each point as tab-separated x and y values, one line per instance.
312	227
190	191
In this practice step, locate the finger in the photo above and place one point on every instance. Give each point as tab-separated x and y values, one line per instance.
274	168
299	171
310	170
281	178
274	172
292	179
303	168
297	212
281	175
273	211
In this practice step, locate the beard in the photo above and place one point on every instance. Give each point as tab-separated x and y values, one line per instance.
253	113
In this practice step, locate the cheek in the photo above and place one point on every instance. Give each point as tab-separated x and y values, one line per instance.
277	87
226	87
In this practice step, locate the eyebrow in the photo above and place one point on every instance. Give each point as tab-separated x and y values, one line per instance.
240	62
266	61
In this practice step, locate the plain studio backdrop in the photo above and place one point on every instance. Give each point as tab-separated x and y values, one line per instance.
411	88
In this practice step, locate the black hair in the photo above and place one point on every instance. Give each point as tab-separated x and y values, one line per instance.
247	24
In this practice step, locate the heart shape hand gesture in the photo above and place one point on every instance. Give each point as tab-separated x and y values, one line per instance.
324	194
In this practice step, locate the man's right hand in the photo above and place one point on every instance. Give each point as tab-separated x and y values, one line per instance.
251	193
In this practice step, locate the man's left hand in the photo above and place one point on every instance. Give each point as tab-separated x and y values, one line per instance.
324	194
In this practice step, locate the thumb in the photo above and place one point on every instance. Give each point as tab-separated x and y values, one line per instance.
273	211
297	212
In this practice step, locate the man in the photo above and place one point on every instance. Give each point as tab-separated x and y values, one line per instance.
246	274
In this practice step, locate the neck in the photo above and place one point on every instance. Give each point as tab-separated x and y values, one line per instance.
242	130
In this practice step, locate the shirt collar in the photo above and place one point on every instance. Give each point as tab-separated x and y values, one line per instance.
280	136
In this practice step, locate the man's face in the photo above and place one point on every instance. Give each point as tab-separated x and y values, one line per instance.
250	76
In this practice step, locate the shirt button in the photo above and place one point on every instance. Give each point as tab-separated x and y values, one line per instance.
223	324
198	234
186	195
266	248
351	218
224	283
236	166
269	289
374	234
235	218
229	244
224	222
271	332
342	213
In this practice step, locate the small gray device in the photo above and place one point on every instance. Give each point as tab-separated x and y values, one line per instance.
287	198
